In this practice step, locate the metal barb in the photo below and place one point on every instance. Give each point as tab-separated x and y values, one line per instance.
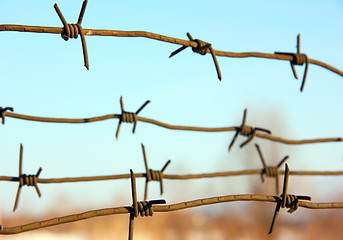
286	200
128	117
298	59
270	171
73	30
202	48
29	180
152	175
143	208
246	131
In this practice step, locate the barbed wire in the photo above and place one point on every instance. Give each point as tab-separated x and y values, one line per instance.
158	175
147	208
131	117
198	46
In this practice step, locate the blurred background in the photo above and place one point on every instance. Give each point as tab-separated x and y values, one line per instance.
42	75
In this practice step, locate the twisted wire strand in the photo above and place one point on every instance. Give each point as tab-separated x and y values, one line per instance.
158	37
161	208
168	126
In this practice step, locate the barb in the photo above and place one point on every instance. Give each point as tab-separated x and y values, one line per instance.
202	48
285	200
164	208
73	30
143	208
29	180
194	44
298	59
152	175
246	131
270	171
128	117
243	129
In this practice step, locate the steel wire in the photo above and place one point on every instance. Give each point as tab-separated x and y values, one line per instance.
168	126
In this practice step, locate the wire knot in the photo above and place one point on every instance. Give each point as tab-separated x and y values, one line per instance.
271	171
74	30
23	179
152	175
286	200
128	117
28	180
246	131
292	202
71	31
298	59
3	113
201	48
144	208
141	207
155	175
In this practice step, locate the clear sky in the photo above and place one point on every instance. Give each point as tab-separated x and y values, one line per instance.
42	75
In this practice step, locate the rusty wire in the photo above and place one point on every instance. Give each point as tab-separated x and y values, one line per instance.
131	117
159	175
198	46
147	208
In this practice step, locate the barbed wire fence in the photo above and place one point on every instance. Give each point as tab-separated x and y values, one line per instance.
131	117
198	46
147	208
159	175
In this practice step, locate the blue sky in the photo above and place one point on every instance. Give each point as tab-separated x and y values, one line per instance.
42	75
